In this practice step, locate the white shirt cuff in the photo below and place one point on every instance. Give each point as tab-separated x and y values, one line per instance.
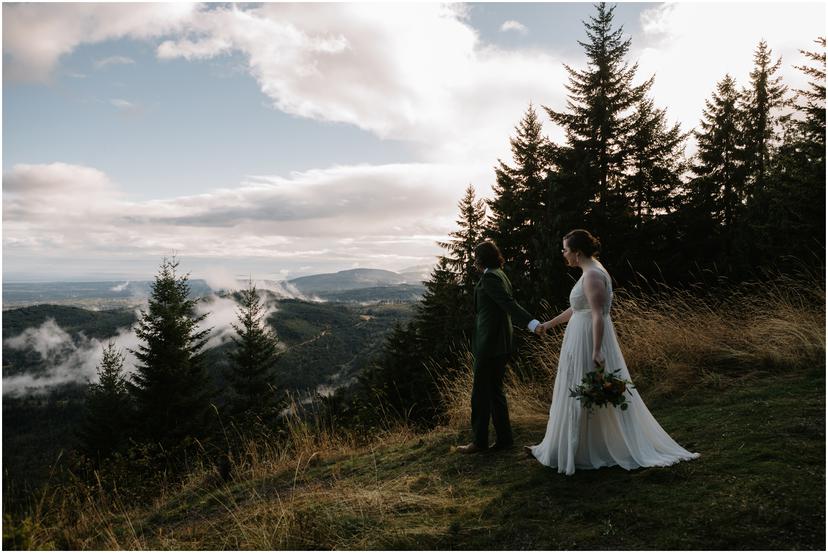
533	324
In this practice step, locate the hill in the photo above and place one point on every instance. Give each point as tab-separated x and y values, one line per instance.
758	485
347	280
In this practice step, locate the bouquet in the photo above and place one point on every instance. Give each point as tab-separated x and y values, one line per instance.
599	388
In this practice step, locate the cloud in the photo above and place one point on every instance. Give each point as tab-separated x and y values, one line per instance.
221	313
113	60
690	46
76	360
512	25
449	94
36	35
67	360
392	215
123	105
120	287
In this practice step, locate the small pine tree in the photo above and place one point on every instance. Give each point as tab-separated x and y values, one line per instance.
170	385
107	409
253	359
460	249
443	317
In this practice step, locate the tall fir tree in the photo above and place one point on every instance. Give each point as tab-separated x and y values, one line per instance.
656	163
526	205
811	103
716	194
253	359
787	215
653	185
170	386
104	430
599	123
442	318
760	105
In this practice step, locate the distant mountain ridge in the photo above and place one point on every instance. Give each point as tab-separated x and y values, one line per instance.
351	279
373	284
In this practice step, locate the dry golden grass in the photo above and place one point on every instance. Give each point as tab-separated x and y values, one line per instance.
672	340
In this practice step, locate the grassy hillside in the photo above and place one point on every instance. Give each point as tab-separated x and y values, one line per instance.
744	387
759	485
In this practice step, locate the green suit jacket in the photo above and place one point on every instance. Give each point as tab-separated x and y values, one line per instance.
495	311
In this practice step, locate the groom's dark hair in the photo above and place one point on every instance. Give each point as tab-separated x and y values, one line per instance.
488	255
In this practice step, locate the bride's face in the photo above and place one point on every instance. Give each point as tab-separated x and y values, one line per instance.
569	256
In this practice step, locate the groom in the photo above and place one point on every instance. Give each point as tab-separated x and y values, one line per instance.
495	310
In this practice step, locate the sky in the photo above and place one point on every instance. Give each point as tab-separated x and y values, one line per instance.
280	140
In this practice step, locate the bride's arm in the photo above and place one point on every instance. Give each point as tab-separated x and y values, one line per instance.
560	319
595	290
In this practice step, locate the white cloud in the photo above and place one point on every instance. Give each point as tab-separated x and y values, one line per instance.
36	35
691	46
67	360
124	105
113	60
392	213
369	65
512	25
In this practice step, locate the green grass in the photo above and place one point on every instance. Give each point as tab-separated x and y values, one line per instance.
759	484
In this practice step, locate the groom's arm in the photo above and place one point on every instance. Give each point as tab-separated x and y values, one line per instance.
496	290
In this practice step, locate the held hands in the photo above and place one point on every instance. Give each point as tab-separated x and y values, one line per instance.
540	330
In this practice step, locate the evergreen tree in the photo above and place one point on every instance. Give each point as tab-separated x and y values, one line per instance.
760	105
443	319
399	385
653	185
507	219
787	215
717	192
253	359
460	249
521	194
107	408
812	126
599	122
170	386
656	163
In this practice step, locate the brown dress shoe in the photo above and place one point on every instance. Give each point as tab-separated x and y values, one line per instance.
527	449
470	448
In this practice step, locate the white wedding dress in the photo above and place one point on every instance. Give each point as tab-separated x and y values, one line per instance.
578	439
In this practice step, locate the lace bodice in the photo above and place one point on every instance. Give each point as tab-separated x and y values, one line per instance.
578	299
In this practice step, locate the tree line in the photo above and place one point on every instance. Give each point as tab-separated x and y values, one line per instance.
752	198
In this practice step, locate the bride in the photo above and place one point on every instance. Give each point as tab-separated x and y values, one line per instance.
576	438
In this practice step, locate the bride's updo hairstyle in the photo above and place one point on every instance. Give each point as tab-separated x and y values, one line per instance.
580	240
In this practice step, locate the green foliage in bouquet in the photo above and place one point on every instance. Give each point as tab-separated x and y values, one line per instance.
600	388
